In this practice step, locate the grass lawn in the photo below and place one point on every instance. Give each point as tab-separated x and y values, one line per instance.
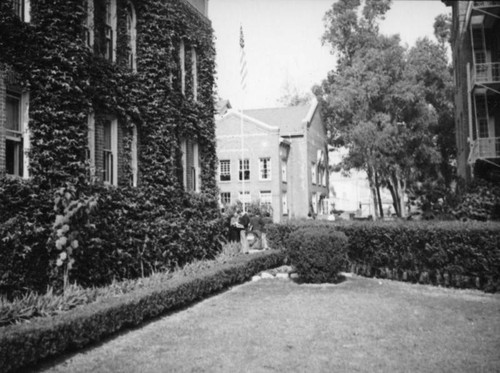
360	325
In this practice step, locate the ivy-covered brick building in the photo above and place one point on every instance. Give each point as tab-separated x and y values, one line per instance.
107	140
112	91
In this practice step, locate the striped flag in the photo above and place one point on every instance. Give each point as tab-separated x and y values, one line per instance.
243	62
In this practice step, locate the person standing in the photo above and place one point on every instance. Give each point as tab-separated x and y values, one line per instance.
244	221
266	221
234	227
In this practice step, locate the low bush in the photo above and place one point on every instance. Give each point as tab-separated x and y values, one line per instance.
129	304
481	201
317	253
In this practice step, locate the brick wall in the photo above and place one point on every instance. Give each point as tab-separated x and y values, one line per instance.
259	142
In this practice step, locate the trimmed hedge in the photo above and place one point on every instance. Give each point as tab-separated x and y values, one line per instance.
457	254
26	344
318	254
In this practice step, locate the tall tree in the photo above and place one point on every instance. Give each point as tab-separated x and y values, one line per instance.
382	101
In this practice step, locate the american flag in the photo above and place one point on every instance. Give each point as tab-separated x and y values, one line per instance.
243	62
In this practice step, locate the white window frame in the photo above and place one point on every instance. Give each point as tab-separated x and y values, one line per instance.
284	172
134	157
182	65
88	35
313	173
222	199
265	168
225	170
266	198
132	34
284	202
91	143
194	72
21	136
22	9
111	24
113	180
244	166
195	167
245	198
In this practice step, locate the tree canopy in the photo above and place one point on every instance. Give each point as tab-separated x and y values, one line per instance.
390	106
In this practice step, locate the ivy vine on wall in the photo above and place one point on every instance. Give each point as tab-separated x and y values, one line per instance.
67	81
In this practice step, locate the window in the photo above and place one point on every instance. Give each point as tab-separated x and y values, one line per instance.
22	9
182	63
315	202
324	176
91	143
14	160
88	27
483	127
283	172
266	198
244	169
133	157
225	198
191	165
265	169
225	170
108	32
109	150
132	36
194	72
284	202
313	173
482	115
245	199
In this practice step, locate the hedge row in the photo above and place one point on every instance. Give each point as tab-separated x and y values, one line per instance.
457	254
28	343
130	232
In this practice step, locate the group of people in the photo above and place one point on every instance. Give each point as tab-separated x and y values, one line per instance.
241	224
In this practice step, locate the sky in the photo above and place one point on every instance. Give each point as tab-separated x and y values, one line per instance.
283	44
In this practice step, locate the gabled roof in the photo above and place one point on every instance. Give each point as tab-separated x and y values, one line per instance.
291	120
246	118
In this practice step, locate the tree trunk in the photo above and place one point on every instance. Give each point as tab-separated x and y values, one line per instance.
402	191
394	198
377	187
373	190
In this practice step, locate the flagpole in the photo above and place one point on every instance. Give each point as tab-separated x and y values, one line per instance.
243	73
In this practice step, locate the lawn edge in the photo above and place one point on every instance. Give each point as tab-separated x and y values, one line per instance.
28	343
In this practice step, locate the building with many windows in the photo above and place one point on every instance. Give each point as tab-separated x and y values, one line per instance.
120	90
475	43
275	156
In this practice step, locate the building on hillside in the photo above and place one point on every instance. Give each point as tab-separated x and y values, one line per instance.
475	41
276	156
121	90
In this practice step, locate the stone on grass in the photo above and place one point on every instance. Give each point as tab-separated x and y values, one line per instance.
266	275
256	278
282	275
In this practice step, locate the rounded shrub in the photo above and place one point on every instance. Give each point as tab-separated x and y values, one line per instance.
318	253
